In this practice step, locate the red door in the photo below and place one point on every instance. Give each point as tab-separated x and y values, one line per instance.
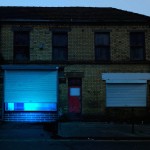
75	99
74	95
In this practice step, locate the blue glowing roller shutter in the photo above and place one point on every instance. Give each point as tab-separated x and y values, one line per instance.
126	94
27	86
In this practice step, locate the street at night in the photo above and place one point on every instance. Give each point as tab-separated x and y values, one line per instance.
73	145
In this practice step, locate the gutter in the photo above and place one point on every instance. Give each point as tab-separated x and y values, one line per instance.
73	21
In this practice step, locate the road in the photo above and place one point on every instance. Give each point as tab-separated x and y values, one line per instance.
73	145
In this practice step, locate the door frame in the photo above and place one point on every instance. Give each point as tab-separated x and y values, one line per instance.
75	82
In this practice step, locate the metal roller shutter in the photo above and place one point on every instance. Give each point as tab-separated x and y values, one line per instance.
126	94
30	86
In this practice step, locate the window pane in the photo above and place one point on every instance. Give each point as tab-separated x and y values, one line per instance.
21	53
74	82
59	54
21	46
21	38
60	39
102	53
102	39
137	45
137	53
74	91
137	39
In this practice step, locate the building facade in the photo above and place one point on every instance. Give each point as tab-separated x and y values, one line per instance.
73	63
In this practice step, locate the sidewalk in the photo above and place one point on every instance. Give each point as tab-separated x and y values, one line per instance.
100	130
74	130
23	131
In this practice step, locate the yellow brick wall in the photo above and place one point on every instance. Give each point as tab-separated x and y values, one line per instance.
40	35
80	42
93	87
81	48
6	46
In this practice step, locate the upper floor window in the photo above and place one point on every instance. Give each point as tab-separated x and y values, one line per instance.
137	45
102	46
21	46
60	46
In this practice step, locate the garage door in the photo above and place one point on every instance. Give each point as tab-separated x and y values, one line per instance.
30	90
30	86
126	94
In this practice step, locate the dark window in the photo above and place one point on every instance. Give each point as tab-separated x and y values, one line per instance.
102	46
137	46
60	46
74	82
21	46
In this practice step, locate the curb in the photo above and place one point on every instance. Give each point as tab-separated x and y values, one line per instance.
57	137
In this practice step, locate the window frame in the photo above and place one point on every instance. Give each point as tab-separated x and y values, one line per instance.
63	47
106	47
26	47
136	47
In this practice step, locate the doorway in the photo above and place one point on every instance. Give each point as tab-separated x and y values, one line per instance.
75	95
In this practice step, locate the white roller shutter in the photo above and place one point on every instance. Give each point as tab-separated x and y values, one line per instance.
126	94
30	86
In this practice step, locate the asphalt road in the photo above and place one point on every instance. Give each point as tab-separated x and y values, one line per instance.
73	145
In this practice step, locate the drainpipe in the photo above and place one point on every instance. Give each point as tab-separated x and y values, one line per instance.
1	76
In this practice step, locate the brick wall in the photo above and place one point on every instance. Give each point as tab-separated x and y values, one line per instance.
80	42
1	93
30	116
81	49
40	35
6	45
93	87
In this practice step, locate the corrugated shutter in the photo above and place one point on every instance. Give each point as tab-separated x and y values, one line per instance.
30	86
126	95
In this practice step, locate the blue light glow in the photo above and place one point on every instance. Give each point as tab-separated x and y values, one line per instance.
30	106
39	106
10	106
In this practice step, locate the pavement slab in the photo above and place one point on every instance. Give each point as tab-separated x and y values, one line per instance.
23	131
102	130
74	131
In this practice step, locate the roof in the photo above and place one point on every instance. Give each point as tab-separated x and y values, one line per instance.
30	67
81	14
